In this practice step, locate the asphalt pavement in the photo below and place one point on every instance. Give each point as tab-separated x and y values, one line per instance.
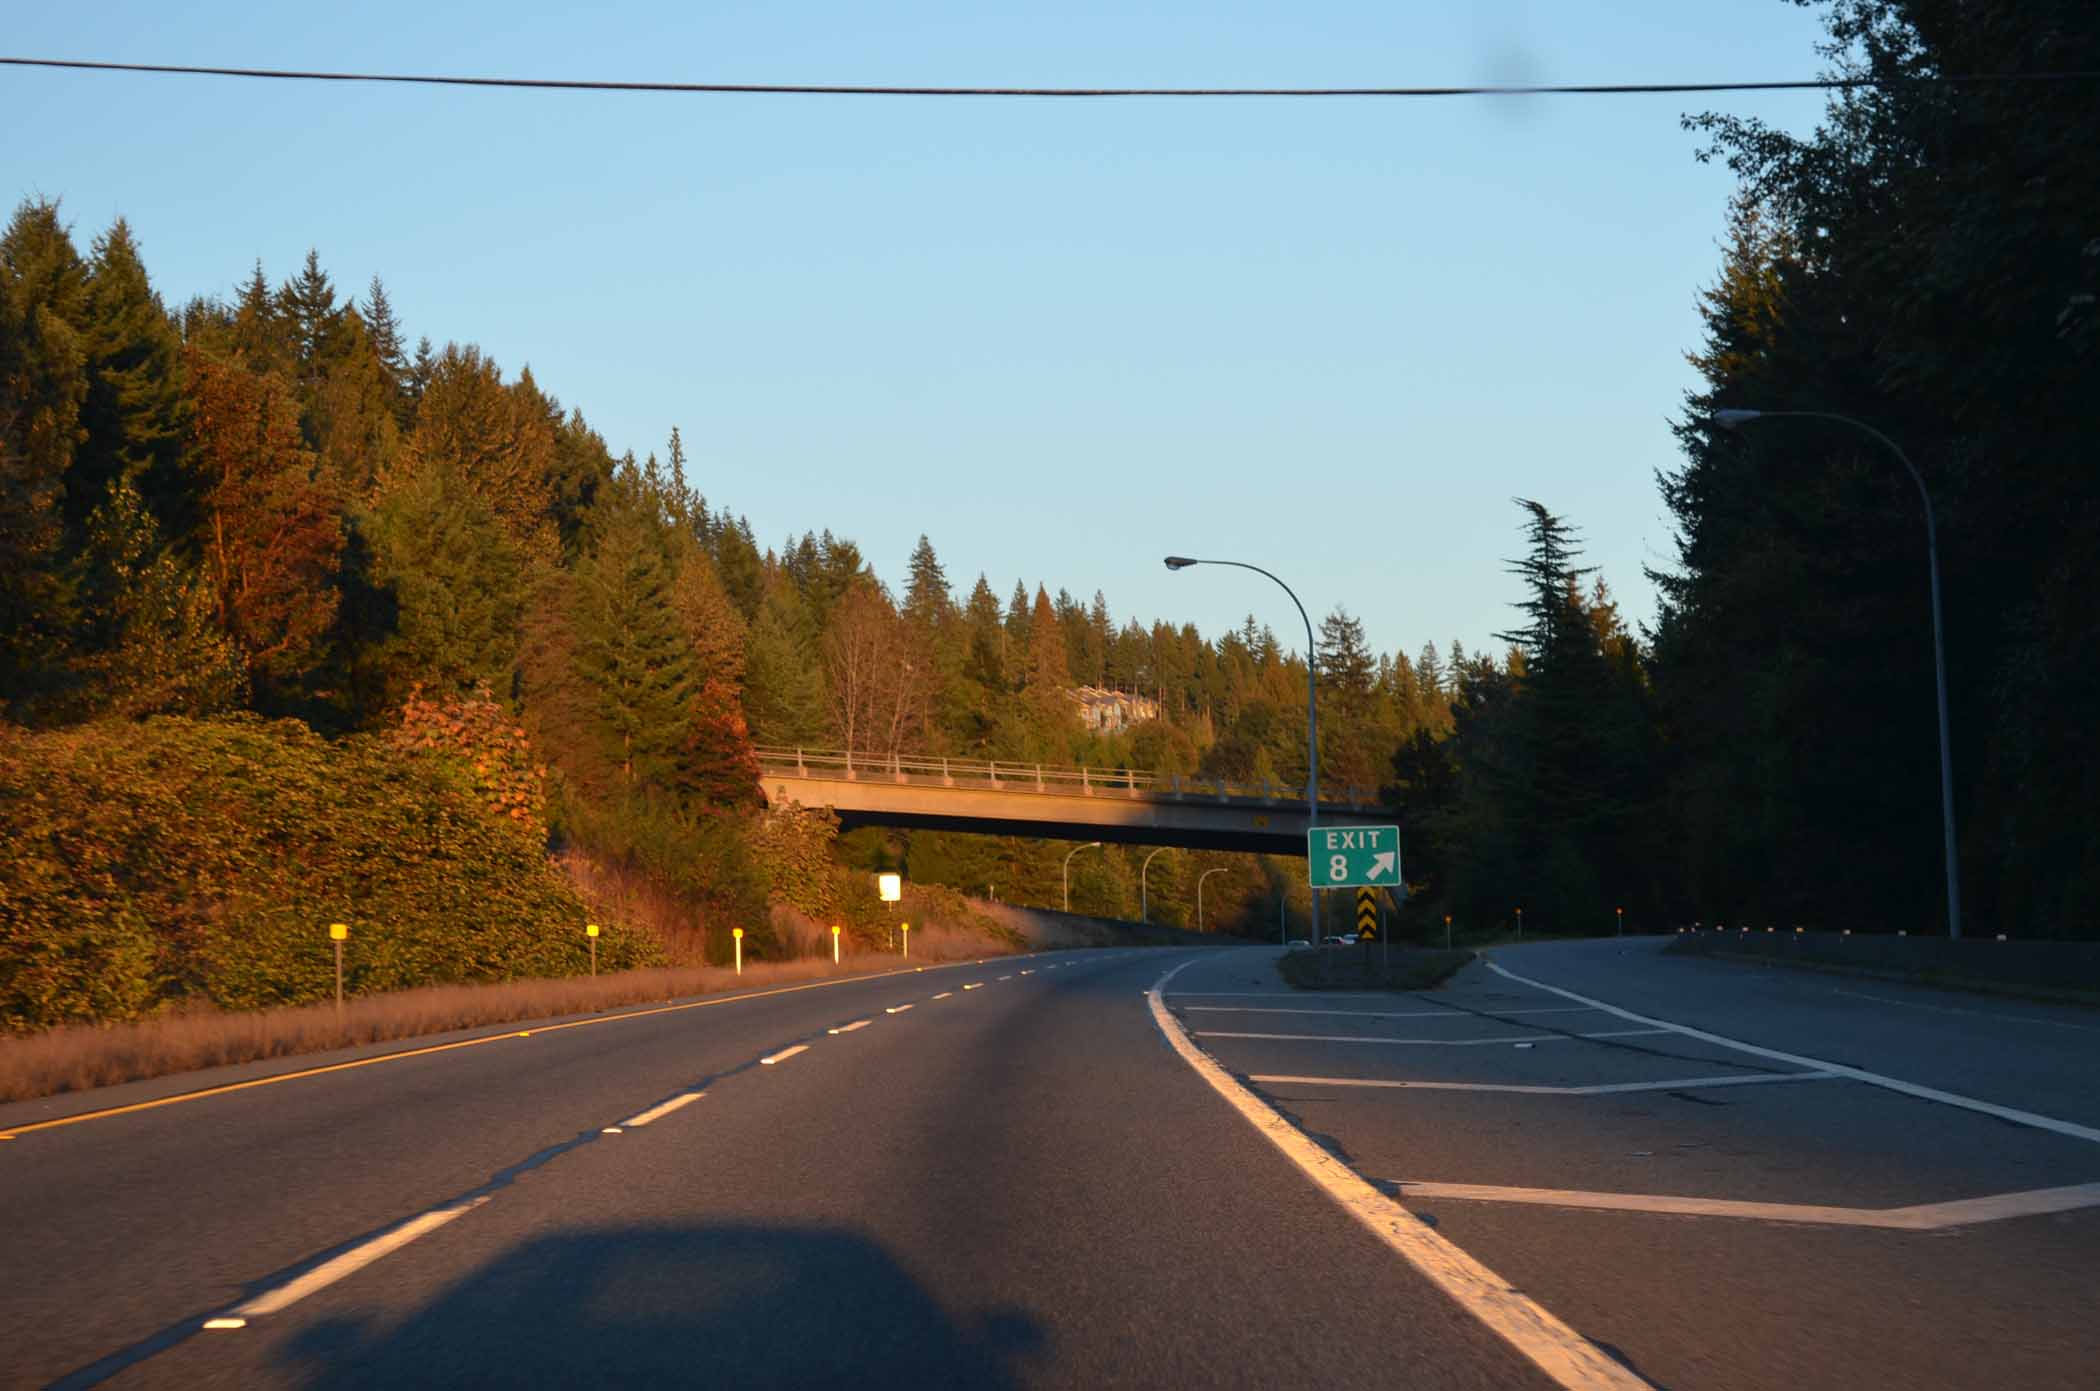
994	1174
1729	1176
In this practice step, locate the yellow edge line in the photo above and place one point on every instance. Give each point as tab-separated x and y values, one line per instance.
12	1131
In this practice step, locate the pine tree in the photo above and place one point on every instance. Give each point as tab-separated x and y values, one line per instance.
135	414
1014	652
307	307
385	330
158	648
631	656
498	441
458	583
784	690
713	628
1048	674
43	383
259	335
926	599
351	416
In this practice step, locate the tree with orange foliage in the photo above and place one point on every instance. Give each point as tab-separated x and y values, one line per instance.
271	533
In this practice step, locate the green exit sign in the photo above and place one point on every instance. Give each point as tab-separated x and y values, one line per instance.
1347	857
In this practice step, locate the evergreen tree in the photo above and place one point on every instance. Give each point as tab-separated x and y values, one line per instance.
498	441
351	416
1014	652
926	599
458	581
631	655
1047	672
134	415
259	336
157	646
307	308
784	691
43	382
387	343
742	568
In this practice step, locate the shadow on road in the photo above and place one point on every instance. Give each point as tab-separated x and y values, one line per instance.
727	1305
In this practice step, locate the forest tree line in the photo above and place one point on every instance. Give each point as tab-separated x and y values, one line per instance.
273	502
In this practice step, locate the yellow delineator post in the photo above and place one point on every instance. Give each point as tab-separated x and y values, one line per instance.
1447	932
834	944
906	928
590	930
738	934
338	933
1620	914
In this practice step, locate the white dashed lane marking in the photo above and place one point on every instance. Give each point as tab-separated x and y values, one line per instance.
896	1009
784	1054
849	1028
659	1112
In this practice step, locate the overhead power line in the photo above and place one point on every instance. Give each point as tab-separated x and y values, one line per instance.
848	90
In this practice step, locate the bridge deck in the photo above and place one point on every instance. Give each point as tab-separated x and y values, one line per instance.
1061	803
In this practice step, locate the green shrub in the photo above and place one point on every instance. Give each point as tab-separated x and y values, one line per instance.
176	859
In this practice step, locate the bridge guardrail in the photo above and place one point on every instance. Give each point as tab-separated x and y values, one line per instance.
996	776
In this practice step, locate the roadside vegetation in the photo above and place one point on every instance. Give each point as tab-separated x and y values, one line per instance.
77	1057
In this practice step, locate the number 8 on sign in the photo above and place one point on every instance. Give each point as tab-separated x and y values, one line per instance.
1338	867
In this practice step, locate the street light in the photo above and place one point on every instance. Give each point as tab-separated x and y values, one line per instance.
1144	910
1199	893
1312	709
1090	845
1729	420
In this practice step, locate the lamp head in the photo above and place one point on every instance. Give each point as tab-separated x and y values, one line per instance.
1179	562
1730	419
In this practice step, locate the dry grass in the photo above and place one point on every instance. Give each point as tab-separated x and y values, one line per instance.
77	1058
619	894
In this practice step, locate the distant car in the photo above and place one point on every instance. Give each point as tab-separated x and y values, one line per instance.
1297	944
1347	939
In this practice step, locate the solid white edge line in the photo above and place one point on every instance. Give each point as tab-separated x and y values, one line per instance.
660	1111
352	1261
1857	1074
1604	1089
1370	1014
1559	1351
1433	1042
785	1054
1924	1217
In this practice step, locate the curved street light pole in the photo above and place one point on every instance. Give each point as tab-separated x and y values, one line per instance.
1199	893
1144	909
1729	420
1090	845
1312	708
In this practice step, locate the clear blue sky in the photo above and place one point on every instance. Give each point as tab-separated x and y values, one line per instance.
1331	337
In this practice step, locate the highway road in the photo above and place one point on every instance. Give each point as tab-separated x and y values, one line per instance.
1734	1176
1582	1164
1011	1180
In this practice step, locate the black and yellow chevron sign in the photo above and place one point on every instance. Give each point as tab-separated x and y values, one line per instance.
1367	915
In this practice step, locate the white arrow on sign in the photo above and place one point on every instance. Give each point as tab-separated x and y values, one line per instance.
1380	864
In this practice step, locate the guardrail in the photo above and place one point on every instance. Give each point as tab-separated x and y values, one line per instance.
993	775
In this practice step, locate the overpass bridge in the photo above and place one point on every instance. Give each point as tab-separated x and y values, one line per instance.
1031	799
